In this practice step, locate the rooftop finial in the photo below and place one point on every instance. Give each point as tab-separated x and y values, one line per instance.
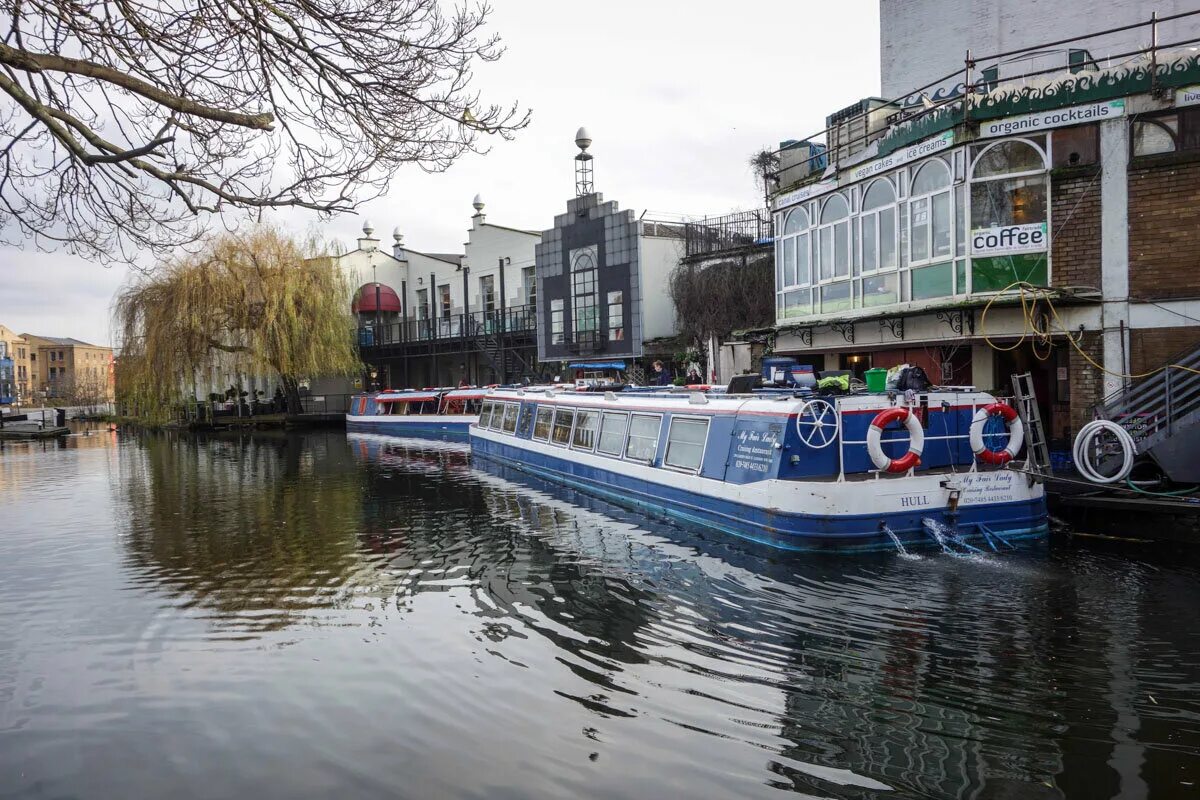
583	163
397	236
368	228
477	203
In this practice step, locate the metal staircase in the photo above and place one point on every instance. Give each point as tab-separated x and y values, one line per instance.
1037	451
1162	414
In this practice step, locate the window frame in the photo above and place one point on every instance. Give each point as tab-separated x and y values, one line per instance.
930	197
1042	148
832	227
549	425
624	415
629	437
575	429
875	214
570	428
485	412
515	408
687	418
798	239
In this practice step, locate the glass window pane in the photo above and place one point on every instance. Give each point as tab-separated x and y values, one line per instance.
585	429
685	443
789	262
835	208
563	418
870	253
802	275
960	221
887	238
941	225
541	428
526	421
835	297
826	253
841	249
935	281
797	221
612	433
932	176
643	438
1151	137
510	417
881	290
1011	201
920	229
485	413
1008	157
879	194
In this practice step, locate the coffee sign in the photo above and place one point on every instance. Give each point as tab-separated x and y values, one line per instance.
1005	239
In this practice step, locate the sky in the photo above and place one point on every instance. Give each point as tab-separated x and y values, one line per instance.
676	96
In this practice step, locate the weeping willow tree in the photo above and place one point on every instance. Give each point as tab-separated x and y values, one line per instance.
260	301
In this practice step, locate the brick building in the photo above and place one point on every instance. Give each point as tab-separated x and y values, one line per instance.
69	371
1044	223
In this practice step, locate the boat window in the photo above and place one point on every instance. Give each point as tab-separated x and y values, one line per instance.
396	408
510	417
485	413
585	430
497	415
612	433
685	444
526	421
541	428
643	437
563	418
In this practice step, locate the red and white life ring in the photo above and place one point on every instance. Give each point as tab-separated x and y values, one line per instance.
1016	434
916	437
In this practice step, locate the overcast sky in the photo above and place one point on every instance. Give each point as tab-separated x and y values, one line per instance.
676	95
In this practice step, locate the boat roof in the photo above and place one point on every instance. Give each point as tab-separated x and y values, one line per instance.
407	396
467	394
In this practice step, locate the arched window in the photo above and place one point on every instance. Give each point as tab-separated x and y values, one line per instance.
1151	137
931	214
879	227
792	265
1010	237
833	239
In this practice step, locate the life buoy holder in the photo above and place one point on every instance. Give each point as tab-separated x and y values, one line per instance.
916	443
1016	434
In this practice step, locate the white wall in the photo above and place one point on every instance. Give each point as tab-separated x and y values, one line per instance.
921	40
486	245
658	257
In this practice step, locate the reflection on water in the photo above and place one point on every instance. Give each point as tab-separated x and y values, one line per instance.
303	615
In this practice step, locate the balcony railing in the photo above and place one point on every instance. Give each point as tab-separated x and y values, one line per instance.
730	232
519	319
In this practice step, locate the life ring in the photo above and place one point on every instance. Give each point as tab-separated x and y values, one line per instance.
1016	434
916	436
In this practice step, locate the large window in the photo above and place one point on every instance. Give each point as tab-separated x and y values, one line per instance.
931	221
511	410
685	444
643	437
585	319
444	295
563	418
792	274
485	414
1009	221
557	325
529	282
879	227
833	237
612	433
526	422
616	317
487	292
585	429
541	426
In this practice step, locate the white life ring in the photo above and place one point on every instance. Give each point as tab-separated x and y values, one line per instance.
916	437
1016	434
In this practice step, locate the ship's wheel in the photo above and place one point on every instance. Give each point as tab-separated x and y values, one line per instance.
818	423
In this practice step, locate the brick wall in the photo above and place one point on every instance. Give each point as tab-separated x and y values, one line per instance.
1087	382
1075	214
1164	230
1151	348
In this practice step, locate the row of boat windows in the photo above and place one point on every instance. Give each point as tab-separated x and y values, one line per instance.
619	434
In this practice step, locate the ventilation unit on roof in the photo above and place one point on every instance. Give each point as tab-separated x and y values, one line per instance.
856	126
798	160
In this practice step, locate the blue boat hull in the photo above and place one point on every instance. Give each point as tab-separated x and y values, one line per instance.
983	525
435	428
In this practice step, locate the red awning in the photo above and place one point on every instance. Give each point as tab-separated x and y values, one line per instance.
364	301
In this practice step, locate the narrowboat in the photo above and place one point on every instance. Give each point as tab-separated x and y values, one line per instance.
791	469
422	413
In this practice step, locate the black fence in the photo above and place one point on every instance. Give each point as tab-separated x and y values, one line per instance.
520	319
729	232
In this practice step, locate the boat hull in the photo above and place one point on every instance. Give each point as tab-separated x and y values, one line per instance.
795	515
428	426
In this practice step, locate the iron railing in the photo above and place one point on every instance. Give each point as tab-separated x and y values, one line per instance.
519	319
729	232
1159	406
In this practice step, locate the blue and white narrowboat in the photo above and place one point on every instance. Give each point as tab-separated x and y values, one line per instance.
790	469
423	413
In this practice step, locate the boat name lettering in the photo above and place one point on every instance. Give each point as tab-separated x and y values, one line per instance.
988	487
912	501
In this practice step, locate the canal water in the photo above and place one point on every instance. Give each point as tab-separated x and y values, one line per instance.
330	615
